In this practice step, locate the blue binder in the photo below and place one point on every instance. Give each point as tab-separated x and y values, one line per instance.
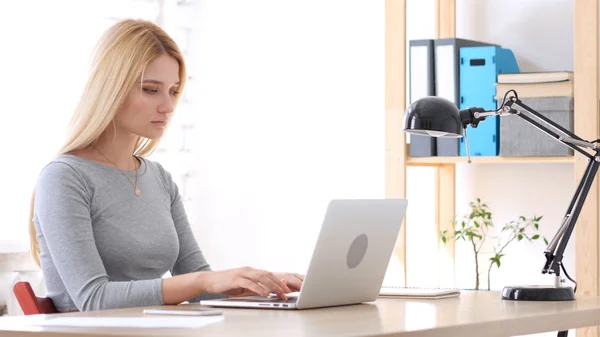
447	81
479	69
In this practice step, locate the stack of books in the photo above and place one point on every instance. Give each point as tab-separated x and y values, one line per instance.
536	84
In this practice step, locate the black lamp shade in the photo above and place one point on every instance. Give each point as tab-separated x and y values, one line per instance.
433	116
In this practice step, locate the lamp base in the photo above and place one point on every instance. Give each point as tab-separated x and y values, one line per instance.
538	293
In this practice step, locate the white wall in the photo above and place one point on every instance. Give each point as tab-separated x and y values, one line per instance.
290	108
540	32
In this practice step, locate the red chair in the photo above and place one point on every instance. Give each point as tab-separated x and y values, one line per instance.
31	304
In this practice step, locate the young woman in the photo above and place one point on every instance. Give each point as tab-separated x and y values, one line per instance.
106	223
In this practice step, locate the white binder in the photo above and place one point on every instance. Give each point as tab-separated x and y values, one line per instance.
421	84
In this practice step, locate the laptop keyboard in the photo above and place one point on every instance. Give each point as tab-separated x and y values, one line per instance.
261	299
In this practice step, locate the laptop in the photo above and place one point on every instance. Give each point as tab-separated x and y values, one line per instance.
349	260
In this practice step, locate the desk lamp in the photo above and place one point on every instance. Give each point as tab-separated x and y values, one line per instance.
438	117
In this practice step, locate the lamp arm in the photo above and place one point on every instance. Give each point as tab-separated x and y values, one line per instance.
472	116
556	248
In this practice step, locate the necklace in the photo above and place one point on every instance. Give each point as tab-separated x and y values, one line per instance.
135	189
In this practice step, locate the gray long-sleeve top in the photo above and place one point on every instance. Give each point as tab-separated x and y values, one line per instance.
103	247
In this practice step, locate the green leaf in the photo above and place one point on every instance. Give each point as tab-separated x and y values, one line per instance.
443	239
477	224
520	237
537	226
535	237
495	260
546	241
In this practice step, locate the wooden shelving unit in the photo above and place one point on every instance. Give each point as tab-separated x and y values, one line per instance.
587	235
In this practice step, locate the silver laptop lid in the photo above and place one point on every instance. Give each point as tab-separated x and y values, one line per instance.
352	252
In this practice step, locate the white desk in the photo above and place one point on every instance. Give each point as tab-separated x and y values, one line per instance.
473	314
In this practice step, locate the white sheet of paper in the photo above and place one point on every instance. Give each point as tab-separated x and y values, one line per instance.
133	322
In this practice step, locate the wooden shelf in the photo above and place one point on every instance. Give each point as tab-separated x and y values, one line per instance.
434	161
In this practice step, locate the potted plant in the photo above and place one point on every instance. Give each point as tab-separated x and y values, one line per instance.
476	226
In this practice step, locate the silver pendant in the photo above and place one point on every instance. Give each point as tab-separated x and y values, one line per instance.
137	192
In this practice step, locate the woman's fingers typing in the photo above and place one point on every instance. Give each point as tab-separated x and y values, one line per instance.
279	282
252	286
267	280
246	280
294	282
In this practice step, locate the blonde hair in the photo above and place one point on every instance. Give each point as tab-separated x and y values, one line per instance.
120	58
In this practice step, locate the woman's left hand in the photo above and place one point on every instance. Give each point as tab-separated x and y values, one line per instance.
292	280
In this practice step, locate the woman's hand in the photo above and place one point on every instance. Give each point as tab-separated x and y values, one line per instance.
243	282
293	281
